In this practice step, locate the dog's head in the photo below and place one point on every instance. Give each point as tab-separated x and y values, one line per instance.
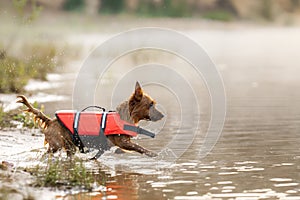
142	106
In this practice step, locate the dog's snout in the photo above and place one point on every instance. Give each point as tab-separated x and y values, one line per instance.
160	116
155	115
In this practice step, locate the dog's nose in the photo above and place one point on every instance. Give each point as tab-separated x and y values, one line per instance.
161	116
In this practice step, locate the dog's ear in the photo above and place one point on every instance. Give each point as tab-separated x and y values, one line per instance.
138	92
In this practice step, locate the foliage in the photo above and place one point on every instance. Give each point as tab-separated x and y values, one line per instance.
112	6
13	75
73	5
164	8
36	61
3	118
220	15
27	16
39	59
175	9
267	10
66	173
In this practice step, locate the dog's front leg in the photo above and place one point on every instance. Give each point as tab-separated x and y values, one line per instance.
124	142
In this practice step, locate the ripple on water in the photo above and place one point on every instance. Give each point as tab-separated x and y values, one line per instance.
286	184
243	168
224	182
192	193
164	177
190	172
228	187
245	162
291	192
158	184
166	183
142	164
291	198
227	173
189	164
282	164
249	196
249	169
168	190
190	198
287	164
281	179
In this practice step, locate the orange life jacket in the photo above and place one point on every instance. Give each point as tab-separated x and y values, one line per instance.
90	123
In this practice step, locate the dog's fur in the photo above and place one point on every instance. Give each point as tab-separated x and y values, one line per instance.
140	106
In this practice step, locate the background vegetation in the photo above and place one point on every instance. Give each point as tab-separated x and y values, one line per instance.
33	60
72	5
224	10
37	61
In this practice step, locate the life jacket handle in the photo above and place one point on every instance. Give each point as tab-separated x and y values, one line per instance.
99	107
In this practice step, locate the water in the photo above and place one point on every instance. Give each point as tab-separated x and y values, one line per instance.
257	156
258	153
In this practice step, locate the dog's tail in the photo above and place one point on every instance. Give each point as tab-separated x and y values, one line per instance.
39	117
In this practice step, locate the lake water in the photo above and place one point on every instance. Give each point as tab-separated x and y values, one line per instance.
257	155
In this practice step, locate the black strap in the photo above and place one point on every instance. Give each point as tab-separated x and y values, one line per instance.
76	137
99	107
103	145
138	130
100	143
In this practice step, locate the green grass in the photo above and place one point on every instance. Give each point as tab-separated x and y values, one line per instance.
64	173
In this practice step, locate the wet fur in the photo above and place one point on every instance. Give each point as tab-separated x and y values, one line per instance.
56	135
139	107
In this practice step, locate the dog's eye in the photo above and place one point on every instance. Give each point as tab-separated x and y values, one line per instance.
151	104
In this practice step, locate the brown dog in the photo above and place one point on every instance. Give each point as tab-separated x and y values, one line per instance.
140	106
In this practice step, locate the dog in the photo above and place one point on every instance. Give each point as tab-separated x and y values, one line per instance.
139	106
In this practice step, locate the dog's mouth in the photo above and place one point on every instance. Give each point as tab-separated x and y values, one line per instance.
155	117
147	118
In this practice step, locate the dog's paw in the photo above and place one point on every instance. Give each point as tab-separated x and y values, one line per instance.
151	154
119	151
